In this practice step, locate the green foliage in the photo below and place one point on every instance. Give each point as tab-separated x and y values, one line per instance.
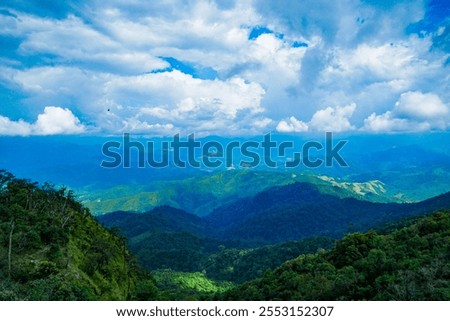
178	251
408	264
51	248
240	265
188	286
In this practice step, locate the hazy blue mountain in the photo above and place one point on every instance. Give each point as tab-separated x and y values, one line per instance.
412	167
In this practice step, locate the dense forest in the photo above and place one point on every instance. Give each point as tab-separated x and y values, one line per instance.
411	263
52	248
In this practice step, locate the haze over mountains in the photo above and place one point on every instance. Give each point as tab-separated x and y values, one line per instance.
384	168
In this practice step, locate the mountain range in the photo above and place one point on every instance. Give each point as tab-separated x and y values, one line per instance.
286	242
278	214
385	168
169	238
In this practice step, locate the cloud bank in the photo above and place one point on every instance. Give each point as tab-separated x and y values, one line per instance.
227	68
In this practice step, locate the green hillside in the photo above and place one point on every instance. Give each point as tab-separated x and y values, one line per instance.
411	263
51	248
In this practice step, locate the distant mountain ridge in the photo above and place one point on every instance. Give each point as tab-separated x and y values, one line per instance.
278	214
410	167
301	210
201	195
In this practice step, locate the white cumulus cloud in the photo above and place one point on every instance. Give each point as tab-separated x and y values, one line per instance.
14	128
57	120
335	119
413	112
414	104
53	121
293	125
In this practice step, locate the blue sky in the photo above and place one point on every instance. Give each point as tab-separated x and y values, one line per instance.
223	67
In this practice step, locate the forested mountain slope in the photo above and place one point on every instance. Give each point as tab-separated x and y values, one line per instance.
410	263
301	210
51	248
